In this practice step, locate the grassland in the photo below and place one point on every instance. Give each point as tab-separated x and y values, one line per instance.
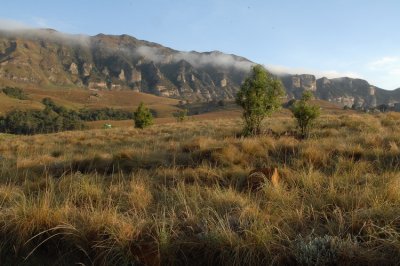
172	194
77	98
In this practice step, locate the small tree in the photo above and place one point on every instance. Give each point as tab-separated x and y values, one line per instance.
181	115
259	97
305	113
142	116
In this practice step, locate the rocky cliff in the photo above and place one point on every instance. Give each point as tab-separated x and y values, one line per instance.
342	91
296	84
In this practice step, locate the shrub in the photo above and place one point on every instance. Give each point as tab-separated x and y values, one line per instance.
143	116
305	113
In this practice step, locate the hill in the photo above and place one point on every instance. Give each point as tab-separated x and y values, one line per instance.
83	99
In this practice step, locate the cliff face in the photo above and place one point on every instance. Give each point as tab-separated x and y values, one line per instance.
296	84
349	92
46	57
342	91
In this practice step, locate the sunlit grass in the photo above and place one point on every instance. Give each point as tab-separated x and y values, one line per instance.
173	194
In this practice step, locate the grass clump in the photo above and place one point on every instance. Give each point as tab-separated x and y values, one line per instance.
321	250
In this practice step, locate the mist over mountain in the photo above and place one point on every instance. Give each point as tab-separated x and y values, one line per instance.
48	58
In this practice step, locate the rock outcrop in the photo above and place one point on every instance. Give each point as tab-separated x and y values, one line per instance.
349	92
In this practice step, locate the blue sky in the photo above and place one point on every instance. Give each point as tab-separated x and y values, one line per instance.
357	38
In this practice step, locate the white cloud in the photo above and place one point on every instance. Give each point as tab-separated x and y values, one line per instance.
383	62
16	28
216	59
385	71
280	70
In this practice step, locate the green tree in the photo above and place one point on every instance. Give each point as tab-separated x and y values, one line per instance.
305	113
259	96
142	116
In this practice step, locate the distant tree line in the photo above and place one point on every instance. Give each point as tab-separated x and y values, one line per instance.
105	114
55	118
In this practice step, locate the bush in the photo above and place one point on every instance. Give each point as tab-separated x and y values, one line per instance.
305	113
143	116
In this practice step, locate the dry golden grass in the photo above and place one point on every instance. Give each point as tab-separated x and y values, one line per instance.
77	98
172	194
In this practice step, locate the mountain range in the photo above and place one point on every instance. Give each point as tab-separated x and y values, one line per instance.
50	59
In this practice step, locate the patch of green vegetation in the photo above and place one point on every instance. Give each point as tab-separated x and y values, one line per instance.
53	118
143	117
105	114
305	113
15	92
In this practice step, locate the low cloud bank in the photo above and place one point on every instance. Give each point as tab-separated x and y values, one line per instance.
281	70
216	59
